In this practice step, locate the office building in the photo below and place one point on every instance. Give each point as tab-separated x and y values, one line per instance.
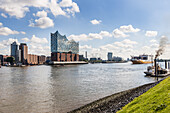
24	53
109	56
15	51
63	49
117	59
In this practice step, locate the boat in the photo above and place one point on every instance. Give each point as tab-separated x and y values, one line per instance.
160	71
157	71
142	59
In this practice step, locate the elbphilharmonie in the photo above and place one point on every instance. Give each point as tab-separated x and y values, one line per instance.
63	49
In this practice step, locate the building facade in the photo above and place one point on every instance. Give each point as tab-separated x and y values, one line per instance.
15	51
109	56
3	59
63	49
24	52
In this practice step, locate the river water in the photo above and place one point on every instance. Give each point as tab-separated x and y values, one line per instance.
41	89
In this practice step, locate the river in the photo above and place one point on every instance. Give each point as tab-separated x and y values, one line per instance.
41	89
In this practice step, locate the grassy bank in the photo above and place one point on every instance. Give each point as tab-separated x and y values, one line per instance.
157	99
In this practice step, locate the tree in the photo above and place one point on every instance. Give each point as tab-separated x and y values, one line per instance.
11	60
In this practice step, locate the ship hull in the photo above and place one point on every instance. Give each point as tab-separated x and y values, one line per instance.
141	62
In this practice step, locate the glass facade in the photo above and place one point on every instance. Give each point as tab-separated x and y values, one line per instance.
61	44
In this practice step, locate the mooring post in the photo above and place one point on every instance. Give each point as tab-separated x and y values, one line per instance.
165	64
155	67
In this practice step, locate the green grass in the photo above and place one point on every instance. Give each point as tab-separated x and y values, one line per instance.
155	100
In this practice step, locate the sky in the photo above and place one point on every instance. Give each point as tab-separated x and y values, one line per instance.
124	27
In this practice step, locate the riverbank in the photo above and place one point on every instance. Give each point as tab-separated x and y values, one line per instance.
116	101
156	99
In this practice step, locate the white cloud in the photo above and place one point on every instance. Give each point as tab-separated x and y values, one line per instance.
41	13
22	32
19	8
3	15
118	33
95	21
127	41
90	36
43	21
105	34
25	39
128	29
66	3
35	39
56	9
153	41
81	37
7	31
1	24
85	47
151	33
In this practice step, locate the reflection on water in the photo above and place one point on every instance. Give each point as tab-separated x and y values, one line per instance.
51	89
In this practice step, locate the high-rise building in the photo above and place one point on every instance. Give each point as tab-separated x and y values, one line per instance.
24	52
86	54
14	51
109	56
63	49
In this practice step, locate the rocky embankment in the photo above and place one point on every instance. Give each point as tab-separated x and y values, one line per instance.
113	103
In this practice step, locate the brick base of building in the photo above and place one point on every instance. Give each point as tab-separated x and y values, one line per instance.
62	57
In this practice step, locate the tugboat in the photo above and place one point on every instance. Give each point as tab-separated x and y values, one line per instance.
142	59
157	71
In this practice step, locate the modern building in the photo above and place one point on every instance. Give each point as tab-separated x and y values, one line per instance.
63	49
117	58
86	54
15	51
24	52
109	56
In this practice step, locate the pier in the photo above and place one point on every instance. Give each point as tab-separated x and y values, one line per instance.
67	63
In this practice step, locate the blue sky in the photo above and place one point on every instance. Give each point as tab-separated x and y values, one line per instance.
124	27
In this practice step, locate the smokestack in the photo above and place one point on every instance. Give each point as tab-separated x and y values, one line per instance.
162	45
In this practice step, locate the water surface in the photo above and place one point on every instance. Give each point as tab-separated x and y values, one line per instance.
52	89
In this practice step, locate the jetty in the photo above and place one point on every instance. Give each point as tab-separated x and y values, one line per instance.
67	63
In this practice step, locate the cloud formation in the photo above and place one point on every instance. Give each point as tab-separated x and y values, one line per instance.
7	31
121	32
19	8
35	39
43	21
151	33
90	36
94	22
3	15
117	33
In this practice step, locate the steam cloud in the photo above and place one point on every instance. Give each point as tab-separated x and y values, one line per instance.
162	44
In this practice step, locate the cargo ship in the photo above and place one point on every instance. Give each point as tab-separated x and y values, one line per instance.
142	59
